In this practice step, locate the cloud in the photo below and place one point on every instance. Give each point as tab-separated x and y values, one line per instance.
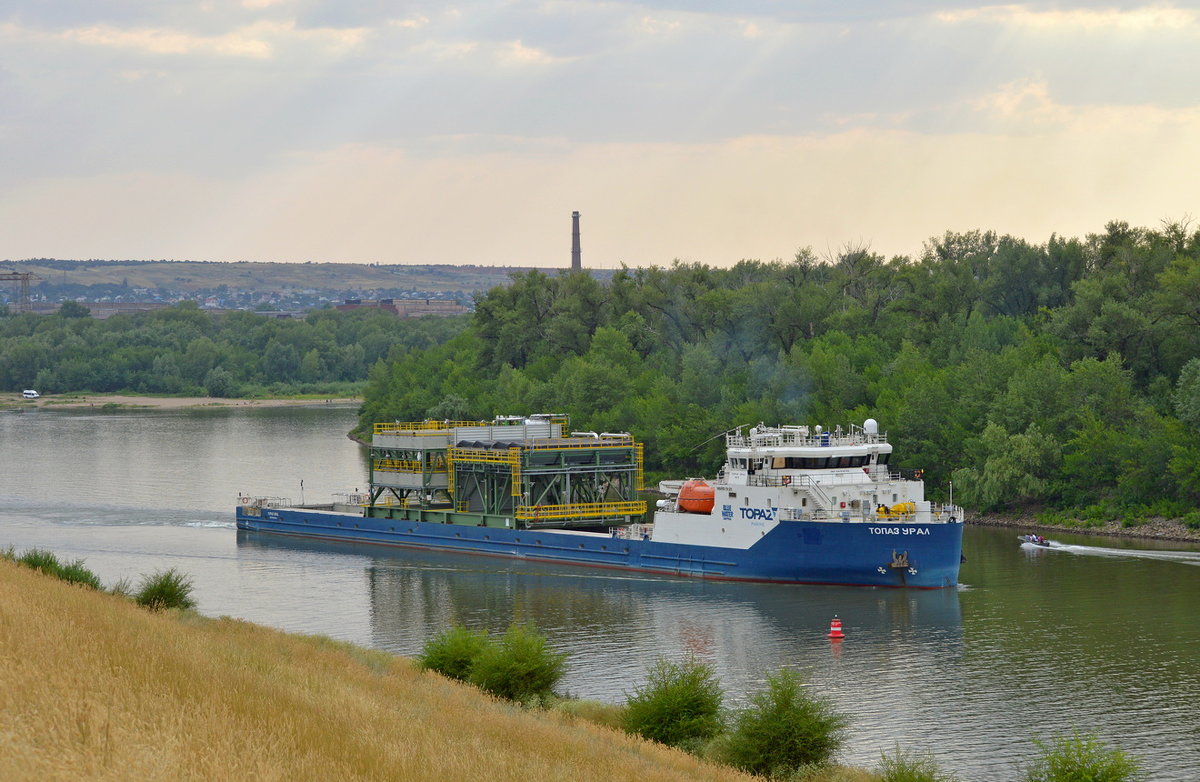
1147	18
376	131
410	23
516	53
258	40
158	41
650	25
1025	100
761	196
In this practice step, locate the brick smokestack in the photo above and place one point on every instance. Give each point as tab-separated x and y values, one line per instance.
576	255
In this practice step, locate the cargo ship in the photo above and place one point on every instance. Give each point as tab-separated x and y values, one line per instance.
791	505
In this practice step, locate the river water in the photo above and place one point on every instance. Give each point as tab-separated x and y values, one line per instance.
1099	635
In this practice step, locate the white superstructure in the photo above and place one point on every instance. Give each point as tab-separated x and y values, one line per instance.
800	473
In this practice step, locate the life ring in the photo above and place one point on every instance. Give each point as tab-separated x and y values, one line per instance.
245	500
787	480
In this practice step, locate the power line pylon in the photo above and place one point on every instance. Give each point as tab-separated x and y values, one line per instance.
22	279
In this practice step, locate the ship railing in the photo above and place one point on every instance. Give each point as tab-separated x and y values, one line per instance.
806	483
406	465
795	439
844	475
477	455
846	515
265	502
589	443
424	427
796	481
946	514
580	510
768	480
392	502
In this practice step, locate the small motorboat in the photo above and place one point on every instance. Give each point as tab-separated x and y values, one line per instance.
1034	540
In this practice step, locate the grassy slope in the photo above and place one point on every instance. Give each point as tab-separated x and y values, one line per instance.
92	686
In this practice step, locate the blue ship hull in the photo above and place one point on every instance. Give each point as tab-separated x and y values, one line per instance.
793	552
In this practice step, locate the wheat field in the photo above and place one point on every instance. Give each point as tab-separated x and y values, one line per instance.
93	687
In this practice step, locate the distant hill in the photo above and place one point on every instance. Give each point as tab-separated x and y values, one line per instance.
196	275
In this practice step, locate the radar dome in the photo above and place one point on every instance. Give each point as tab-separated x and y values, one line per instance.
871	426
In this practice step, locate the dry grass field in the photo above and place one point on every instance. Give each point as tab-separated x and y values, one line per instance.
93	687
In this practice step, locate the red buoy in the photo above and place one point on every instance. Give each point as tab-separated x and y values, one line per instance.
835	630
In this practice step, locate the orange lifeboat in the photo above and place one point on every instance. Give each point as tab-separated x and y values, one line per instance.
696	496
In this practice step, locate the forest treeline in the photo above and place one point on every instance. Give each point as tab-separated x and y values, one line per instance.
1059	375
185	350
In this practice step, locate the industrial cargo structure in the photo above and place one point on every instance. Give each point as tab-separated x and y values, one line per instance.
513	472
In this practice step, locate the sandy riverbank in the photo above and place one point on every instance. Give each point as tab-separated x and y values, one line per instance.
75	401
1153	529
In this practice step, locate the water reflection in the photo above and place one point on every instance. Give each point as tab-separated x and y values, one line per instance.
614	625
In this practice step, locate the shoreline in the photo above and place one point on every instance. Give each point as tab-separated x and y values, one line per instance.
134	402
1153	529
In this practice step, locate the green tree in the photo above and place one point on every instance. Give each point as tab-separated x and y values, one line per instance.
1083	758
73	309
785	729
220	383
1187	394
679	705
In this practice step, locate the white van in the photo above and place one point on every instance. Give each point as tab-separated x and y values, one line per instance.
29	393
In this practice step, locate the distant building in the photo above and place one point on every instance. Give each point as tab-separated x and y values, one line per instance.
406	308
103	310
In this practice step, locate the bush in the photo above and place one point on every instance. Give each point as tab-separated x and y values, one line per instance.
76	573
1191	520
41	560
680	705
518	668
123	588
1081	759
910	767
785	729
454	652
165	589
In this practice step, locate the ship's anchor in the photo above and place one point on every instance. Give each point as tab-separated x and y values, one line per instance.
900	564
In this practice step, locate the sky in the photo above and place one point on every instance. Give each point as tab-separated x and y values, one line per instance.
368	131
